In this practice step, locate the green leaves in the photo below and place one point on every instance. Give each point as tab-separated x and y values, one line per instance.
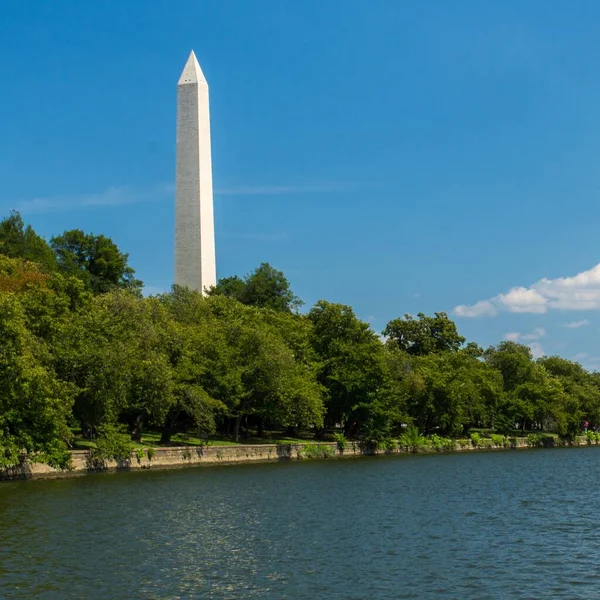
34	403
266	287
427	335
96	260
79	344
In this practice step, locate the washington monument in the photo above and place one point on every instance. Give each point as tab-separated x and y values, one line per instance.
194	222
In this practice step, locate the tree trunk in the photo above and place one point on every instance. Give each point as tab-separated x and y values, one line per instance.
236	428
165	436
260	432
136	434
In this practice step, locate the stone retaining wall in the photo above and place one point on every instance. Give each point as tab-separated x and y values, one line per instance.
175	457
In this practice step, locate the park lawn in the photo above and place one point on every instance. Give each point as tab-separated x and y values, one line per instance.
185	439
152	438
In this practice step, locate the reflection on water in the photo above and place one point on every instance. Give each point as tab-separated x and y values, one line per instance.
478	526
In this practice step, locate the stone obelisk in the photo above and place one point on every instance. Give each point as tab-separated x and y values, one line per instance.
195	266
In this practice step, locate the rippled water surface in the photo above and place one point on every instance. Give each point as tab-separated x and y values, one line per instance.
498	525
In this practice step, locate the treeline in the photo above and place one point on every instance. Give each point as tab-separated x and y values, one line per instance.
81	348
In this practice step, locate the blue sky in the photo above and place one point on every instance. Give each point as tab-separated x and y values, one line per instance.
395	156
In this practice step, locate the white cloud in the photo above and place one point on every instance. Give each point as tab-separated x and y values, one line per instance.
125	194
479	309
577	324
522	300
536	350
113	196
591	363
536	334
580	292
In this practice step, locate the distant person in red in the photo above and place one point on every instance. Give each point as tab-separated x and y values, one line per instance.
585	426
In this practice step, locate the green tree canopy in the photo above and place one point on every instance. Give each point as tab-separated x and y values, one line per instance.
265	287
424	335
352	365
19	241
96	260
34	403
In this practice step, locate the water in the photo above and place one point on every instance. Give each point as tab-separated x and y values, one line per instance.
466	526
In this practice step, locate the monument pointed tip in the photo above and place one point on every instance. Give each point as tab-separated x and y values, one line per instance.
192	73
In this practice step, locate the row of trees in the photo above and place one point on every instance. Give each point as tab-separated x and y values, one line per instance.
80	347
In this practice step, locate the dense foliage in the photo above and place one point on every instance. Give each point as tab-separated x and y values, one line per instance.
80	348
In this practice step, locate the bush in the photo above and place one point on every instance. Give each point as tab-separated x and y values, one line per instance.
439	443
476	439
412	441
315	451
389	445
498	440
341	441
151	451
113	442
436	442
534	440
448	444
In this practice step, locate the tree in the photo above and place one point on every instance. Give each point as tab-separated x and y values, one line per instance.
451	391
18	241
514	361
266	287
425	335
581	393
34	403
96	260
533	397
351	366
18	275
255	372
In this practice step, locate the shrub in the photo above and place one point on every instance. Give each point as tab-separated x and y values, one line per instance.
448	444
464	443
534	440
113	442
485	443
151	451
139	453
412	440
476	439
389	445
315	451
498	440
436	442
439	443
341	441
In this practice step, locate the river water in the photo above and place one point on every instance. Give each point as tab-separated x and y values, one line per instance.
514	524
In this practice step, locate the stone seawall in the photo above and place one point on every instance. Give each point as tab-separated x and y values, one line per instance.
84	463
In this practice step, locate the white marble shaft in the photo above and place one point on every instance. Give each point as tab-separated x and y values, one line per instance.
195	265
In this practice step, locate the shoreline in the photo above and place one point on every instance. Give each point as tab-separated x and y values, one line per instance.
83	463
